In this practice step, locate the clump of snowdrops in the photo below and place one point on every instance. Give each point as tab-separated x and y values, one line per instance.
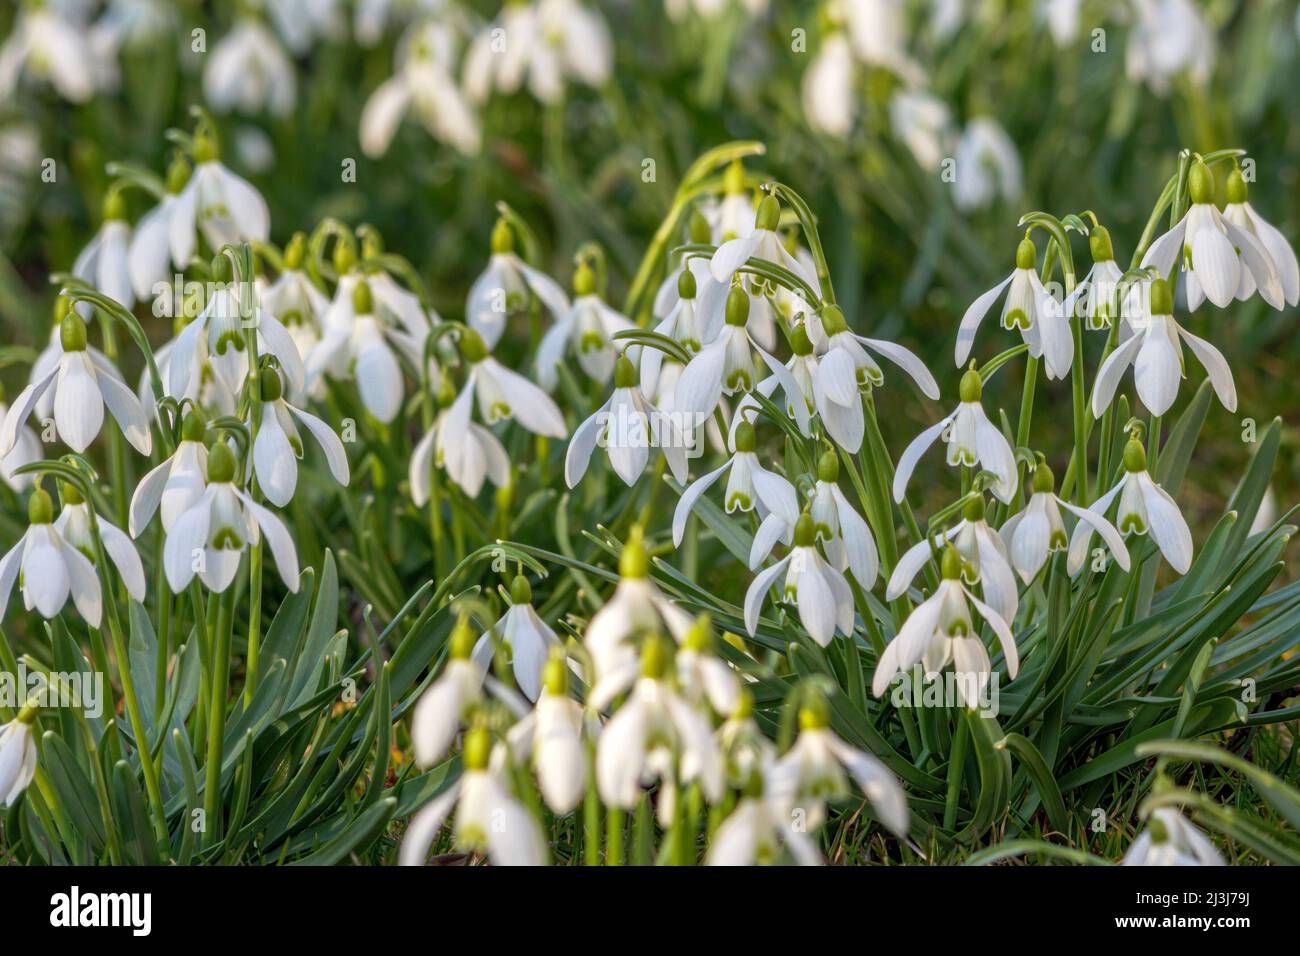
565	638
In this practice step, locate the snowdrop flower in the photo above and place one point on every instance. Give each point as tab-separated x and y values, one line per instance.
525	635
206	390
940	630
1033	534
757	830
1029	308
481	455
442	709
1155	352
304	23
823	597
82	386
656	735
848	371
277	444
984	560
1062	19
425	86
17	755
26	449
745	748
734	215
75	523
294	299
225	208
704	676
844	534
50	356
177	483
749	485
48	569
971	439
1168	38
1096	298
545	42
210	536
356	343
504	287
589	328
500	394
627	426
1169	839
103	263
150	250
924	124
813	770
682	323
1242	214
1215	251
828	97
249	72
636	607
1143	506
879	30
671	289
726	365
553	734
489	819
216	338
987	164
762	242
48	46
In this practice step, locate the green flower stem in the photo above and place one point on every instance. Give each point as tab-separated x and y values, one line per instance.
614	836
254	621
217	718
956	768
591	814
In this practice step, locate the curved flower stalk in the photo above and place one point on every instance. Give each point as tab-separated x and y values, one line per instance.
104	262
505	288
821	594
489	818
940	631
149	255
813	771
442	709
219	334
552	735
76	526
844	534
1096	297
761	826
988	166
177	483
26	449
17	755
48	46
1214	251
1143	507
725	365
425	86
277	444
249	72
1033	534
1029	308
589	329
224	208
542	42
749	486
627	426
1155	352
82	384
984	561
971	439
480	455
525	635
209	538
48	569
1242	214
656	735
1169	839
